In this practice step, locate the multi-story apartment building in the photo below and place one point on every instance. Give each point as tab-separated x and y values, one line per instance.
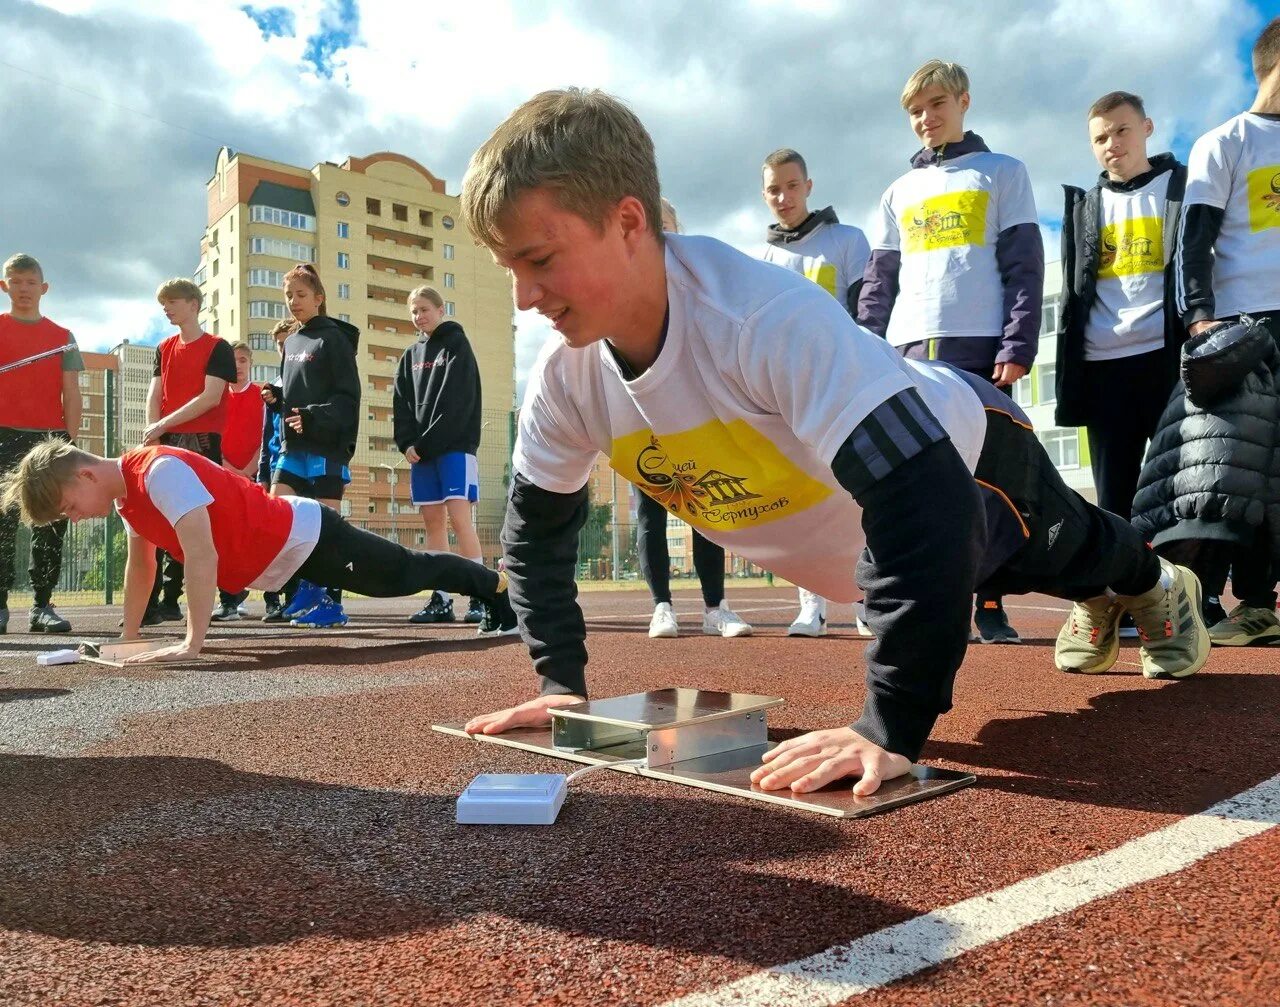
135	364
93	382
375	227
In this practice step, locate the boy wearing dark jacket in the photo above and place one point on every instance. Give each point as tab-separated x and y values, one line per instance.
436	411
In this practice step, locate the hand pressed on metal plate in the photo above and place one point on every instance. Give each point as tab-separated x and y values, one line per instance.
534	713
820	757
165	655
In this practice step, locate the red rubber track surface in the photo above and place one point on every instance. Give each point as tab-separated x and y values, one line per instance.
287	836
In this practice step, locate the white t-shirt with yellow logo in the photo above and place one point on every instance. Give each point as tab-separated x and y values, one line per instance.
1127	317
833	256
760	380
1236	168
944	220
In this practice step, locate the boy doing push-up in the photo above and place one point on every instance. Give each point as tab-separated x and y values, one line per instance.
747	401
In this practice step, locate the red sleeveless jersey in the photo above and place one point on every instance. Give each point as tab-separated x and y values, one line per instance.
182	373
31	395
249	527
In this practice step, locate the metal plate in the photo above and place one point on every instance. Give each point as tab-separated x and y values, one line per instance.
666	708
729	773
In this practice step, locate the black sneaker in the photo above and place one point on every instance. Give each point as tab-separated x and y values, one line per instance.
275	613
226	613
1213	611
438	609
499	618
168	611
43	619
150	617
993	625
475	611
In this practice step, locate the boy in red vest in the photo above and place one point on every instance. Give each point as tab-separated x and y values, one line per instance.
37	399
241	447
186	408
230	532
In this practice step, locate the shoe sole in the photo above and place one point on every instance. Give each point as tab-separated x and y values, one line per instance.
820	631
494	633
663	634
46	629
1266	638
733	635
1194	592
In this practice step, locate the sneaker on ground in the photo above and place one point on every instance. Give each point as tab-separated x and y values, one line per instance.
168	611
812	620
307	597
150	617
1128	628
499	618
324	615
1246	625
475	611
43	619
992	624
724	621
437	609
1089	640
226	613
663	625
1175	640
860	619
275	613
241	607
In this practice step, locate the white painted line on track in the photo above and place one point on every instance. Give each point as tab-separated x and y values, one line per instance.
878	959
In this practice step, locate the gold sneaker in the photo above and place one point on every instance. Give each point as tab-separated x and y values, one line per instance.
1089	640
1175	640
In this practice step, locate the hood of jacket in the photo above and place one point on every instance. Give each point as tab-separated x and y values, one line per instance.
327	323
445	328
1216	361
779	235
972	143
1160	163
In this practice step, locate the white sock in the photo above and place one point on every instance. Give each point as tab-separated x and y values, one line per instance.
475	559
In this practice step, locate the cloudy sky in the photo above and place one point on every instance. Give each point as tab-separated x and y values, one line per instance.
114	109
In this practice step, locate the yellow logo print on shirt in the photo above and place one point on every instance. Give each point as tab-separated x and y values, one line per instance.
1131	247
1264	197
717	476
823	274
946	221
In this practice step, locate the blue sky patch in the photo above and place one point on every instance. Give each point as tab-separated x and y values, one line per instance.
273	22
339	26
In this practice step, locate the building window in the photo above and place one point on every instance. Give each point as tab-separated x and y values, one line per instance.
345	318
344	229
83	379
84	401
262	341
263	373
400	212
233	318
266	278
342	199
448	251
84	422
1049	316
344	260
1046	379
215	237
1062	446
282	249
373	207
448	308
232	253
344	291
424	218
267	309
215	267
1022	390
214	302
201	275
281	218
448	280
447	222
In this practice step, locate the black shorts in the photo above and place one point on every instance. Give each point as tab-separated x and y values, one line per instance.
325	487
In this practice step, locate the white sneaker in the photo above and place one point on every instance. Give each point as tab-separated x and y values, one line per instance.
663	625
724	621
812	620
860	619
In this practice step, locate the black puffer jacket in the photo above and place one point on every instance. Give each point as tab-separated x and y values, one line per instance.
1212	470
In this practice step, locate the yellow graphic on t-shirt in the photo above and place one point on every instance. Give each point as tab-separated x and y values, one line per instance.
1131	247
719	476
1264	197
823	274
954	218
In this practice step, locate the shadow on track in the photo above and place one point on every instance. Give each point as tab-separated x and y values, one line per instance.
23	695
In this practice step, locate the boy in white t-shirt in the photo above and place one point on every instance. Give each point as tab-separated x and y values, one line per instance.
831	254
1229	264
749	403
957	264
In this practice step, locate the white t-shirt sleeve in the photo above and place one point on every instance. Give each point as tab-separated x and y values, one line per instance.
1016	203
885	233
175	489
553	449
802	357
857	252
1209	171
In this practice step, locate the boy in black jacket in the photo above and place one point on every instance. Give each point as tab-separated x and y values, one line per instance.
320	407
436	404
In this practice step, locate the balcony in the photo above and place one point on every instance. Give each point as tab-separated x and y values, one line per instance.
415	272
384	354
400	326
388	295
402	239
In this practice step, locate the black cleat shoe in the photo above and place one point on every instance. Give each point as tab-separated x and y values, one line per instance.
168	611
993	625
43	619
438	609
275	613
475	611
149	618
1213	611
226	613
499	618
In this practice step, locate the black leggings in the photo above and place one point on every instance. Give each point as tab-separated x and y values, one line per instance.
655	560
46	539
353	559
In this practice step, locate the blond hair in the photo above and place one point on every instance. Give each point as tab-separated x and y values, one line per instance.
1266	51
242	346
22	263
429	293
668	210
179	287
35	485
586	146
284	327
951	77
